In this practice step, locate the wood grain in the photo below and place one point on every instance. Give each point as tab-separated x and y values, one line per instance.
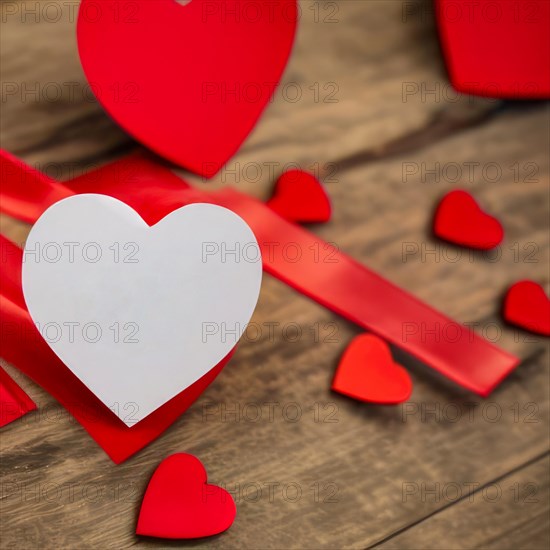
499	515
337	476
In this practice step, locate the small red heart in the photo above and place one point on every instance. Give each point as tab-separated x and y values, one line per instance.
187	80
300	197
497	49
460	220
179	504
526	305
367	372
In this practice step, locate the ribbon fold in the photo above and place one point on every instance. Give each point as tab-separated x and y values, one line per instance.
14	402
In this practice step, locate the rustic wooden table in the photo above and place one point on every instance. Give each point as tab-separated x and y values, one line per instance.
377	116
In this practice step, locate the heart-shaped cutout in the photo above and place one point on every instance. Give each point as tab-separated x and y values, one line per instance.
139	313
367	372
460	220
188	81
22	344
497	49
180	504
527	306
301	198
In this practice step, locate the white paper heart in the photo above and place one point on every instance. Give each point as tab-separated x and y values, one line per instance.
140	313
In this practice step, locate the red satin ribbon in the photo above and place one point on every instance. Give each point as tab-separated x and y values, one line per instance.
345	286
14	402
25	191
340	284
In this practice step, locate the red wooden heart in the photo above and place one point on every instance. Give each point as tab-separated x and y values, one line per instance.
497	49
367	372
526	305
189	81
179	504
459	219
300	197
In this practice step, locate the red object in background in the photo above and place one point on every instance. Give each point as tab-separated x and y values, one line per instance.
180	504
367	372
188	81
497	49
527	306
301	198
460	220
14	402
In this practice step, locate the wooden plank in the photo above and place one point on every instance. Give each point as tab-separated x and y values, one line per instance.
501	515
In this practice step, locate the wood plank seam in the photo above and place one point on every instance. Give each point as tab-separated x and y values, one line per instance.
478	490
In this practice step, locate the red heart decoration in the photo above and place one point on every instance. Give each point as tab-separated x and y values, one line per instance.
300	197
367	372
179	504
459	219
497	49
187	80
526	305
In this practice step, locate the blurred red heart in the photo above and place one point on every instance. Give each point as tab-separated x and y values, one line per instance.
189	80
300	197
497	49
459	219
367	372
179	504
526	305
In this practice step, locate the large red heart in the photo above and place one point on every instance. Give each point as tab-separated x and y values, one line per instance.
497	49
179	504
459	219
188	80
300	197
367	372
527	306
